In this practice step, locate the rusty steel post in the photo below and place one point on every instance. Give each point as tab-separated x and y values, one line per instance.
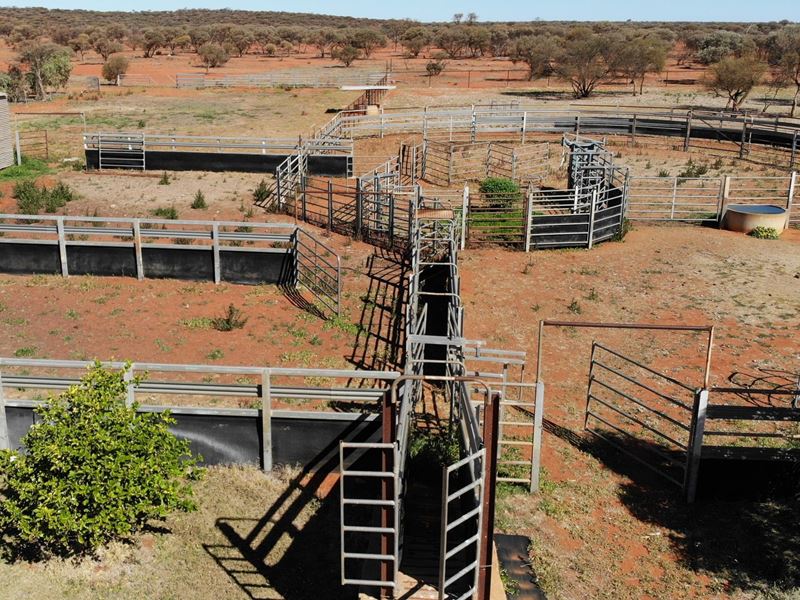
491	438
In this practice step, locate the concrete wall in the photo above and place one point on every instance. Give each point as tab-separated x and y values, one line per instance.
233	436
237	264
165	160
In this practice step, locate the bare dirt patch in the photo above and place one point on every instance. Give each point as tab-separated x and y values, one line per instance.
601	527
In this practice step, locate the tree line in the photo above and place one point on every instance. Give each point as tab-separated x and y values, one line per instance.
740	56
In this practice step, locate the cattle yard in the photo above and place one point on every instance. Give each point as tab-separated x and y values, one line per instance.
595	354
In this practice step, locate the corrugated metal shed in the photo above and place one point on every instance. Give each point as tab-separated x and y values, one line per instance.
6	146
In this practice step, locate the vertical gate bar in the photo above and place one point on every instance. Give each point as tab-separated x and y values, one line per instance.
359	210
464	211
688	131
744	138
19	151
538	418
592	208
387	493
589	386
790	197
490	440
215	251
443	531
137	249
330	206
694	453
524	124
341	512
266	421
674	198
529	219
4	441
130	392
62	247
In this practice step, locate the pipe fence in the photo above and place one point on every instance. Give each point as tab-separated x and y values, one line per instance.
193	393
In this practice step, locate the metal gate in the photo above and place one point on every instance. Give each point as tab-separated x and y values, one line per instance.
121	151
462	485
644	414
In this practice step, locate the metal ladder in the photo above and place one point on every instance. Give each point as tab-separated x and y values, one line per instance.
371	541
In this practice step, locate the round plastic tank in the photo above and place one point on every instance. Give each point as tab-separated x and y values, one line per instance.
746	217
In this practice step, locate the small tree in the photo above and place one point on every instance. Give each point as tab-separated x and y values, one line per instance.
49	67
346	54
106	47
114	67
94	470
154	40
735	78
212	55
537	52
415	39
786	56
582	62
436	65
80	44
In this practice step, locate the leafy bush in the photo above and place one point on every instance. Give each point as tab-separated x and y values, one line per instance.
233	319
765	233
31	198
165	212
199	200
114	67
500	192
693	169
93	471
261	193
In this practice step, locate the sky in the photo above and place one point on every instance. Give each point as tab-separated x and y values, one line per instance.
497	10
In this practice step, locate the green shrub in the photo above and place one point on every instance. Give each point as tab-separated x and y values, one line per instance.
93	471
165	212
199	200
233	319
693	170
29	197
261	193
500	192
765	233
32	198
164	179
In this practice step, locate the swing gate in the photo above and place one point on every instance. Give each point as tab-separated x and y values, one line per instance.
644	414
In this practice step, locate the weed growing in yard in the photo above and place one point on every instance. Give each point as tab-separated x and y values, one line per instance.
215	354
261	193
165	213
199	201
25	352
575	307
165	180
765	233
31	198
233	319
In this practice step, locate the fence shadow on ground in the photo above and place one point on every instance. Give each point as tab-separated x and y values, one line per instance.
379	342
743	528
308	563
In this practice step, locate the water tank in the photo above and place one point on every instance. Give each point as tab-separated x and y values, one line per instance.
6	145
